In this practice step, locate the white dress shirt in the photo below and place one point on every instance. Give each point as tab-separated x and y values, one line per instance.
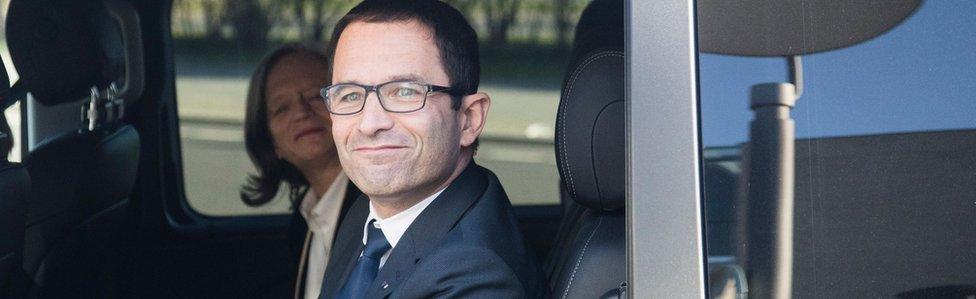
322	217
394	226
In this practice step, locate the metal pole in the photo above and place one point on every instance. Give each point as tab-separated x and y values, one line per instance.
769	255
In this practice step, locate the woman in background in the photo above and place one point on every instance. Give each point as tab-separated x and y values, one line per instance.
288	135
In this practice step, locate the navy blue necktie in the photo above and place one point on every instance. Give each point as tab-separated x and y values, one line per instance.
368	265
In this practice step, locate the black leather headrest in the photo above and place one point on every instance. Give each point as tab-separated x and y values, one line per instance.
600	26
84	174
590	131
61	48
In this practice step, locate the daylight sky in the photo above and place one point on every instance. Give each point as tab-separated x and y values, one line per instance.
920	76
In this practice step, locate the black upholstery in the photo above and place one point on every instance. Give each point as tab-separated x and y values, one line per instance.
79	221
15	184
601	26
79	218
590	136
61	52
14	191
589	259
590	156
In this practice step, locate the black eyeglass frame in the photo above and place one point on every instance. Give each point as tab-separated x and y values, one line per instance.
376	89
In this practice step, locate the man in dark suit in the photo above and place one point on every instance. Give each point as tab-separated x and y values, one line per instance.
406	116
300	239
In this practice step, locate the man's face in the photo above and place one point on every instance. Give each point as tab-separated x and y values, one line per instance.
395	155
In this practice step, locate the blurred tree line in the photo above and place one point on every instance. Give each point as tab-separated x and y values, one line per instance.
256	23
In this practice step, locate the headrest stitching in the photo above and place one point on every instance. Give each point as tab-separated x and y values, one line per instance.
582	254
593	158
563	104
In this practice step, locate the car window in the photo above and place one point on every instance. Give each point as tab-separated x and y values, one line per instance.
218	43
879	130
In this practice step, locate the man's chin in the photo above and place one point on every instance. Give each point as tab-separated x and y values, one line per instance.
380	161
378	168
378	178
378	190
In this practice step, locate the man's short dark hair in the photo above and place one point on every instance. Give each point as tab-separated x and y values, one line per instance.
453	35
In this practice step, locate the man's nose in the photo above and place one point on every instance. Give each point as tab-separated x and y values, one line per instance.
374	118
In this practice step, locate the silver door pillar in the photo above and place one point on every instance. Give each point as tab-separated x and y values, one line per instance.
664	210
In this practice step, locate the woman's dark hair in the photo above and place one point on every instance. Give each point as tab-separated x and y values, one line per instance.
262	187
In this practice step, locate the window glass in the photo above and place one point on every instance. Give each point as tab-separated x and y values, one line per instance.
881	175
218	45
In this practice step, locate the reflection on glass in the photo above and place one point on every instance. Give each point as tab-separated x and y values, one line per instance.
860	184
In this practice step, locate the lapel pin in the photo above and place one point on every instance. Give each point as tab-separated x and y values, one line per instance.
385	285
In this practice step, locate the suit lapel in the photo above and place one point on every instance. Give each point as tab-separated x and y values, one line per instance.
346	246
426	231
352	194
297	229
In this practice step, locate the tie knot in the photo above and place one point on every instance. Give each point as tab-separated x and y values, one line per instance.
376	244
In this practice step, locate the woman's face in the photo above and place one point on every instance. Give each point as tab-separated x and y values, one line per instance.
299	123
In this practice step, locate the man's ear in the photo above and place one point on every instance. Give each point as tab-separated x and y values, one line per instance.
473	113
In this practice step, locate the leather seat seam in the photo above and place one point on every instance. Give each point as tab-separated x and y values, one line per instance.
564	104
579	260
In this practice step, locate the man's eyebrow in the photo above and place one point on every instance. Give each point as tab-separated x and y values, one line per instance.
400	77
406	77
348	82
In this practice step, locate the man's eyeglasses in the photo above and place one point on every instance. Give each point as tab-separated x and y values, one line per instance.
396	96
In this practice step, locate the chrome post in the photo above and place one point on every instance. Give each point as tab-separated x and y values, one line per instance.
92	114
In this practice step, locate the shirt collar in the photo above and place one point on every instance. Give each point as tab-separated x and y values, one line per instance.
394	226
319	213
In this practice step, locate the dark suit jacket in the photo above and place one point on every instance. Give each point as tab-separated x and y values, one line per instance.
297	231
465	244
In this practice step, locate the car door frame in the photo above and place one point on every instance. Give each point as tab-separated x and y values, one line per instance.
665	234
666	249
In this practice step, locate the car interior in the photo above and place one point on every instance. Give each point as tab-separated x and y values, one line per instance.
589	259
97	208
105	219
79	218
15	183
